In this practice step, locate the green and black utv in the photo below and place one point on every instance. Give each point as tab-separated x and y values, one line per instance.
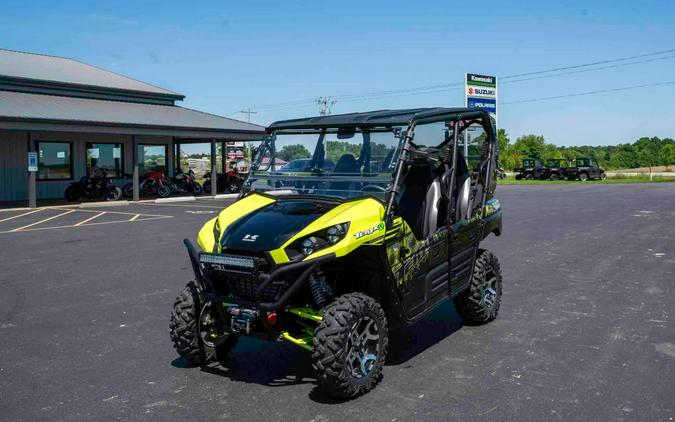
382	225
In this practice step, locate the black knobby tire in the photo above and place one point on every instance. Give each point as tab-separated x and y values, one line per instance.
334	341
479	305
184	330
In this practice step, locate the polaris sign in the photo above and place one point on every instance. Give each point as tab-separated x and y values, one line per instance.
481	92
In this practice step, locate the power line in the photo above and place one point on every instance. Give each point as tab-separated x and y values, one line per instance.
429	89
579	94
656	53
248	113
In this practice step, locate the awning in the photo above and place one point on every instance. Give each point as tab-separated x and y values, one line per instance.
55	113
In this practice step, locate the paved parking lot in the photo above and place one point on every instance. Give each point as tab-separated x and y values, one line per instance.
585	331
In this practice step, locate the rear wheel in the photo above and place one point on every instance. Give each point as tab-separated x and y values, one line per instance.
71	194
350	346
583	177
480	303
554	176
194	330
233	186
603	176
528	177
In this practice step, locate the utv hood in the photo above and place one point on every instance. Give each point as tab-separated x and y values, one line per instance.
271	226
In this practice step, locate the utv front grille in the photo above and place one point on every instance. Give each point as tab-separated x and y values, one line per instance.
239	276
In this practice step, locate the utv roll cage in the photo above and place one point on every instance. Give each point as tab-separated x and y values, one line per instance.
409	118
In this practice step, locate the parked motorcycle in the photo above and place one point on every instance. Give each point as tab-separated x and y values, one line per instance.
187	182
230	182
96	187
151	183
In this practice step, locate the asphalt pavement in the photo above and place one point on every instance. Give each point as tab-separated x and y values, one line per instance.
586	330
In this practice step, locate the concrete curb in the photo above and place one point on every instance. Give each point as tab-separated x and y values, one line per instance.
175	199
226	196
103	204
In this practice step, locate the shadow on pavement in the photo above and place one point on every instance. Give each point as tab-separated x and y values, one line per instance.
283	364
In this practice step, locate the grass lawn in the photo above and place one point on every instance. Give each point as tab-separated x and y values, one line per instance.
510	180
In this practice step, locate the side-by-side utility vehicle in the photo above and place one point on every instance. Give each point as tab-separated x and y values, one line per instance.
584	169
334	258
532	169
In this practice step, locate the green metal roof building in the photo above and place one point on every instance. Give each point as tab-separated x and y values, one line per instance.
77	116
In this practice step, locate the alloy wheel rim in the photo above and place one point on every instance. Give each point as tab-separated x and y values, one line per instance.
489	288
363	347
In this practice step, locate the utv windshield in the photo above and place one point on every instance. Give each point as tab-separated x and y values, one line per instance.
343	163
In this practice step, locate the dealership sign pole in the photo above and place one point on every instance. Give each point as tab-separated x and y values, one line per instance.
480	91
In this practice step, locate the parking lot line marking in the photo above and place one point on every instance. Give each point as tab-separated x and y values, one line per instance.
154	217
108	212
184	206
20	215
134	217
42	221
89	219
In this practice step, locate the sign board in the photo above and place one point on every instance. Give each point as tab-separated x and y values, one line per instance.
481	92
32	161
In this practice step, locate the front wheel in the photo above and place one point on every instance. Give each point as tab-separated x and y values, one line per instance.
554	177
528	177
164	191
194	331
480	303
197	189
603	176
583	177
350	346
128	190
233	186
114	193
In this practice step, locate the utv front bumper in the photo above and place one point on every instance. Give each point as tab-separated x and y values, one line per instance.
250	284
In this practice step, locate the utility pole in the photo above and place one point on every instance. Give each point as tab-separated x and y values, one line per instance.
248	113
324	103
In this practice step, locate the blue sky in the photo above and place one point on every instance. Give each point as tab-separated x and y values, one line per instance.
226	56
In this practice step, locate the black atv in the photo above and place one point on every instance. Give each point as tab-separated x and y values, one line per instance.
532	169
335	258
584	169
555	169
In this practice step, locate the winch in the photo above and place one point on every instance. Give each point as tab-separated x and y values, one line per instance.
242	319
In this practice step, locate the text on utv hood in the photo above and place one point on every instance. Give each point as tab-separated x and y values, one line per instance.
272	225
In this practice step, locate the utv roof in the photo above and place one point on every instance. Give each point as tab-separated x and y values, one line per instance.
378	118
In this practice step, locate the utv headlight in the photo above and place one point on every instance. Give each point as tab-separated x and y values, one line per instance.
308	245
317	241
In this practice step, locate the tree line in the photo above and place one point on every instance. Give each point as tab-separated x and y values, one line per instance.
643	152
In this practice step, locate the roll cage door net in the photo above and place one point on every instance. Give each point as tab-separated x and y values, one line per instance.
481	180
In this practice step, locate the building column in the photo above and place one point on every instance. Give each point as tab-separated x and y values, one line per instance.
176	149
214	169
134	161
171	160
223	157
32	177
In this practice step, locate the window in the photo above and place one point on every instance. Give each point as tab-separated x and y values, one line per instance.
152	158
54	161
108	157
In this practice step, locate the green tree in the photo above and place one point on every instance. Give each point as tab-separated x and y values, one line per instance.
291	152
336	149
531	146
667	155
503	139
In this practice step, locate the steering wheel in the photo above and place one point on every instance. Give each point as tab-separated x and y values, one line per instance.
373	188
